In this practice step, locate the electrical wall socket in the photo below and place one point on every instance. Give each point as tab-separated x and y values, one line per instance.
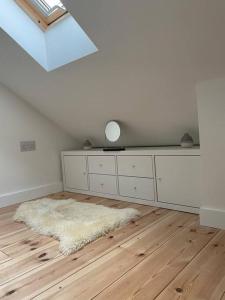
27	146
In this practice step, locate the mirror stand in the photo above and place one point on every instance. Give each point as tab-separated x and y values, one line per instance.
114	148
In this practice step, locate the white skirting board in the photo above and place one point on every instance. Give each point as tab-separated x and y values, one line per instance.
212	217
193	210
30	193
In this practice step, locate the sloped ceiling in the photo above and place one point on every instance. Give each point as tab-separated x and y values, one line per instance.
151	54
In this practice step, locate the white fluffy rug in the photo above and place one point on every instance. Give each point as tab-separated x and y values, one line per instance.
73	223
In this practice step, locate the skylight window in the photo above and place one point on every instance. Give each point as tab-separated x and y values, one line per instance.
48	7
43	12
59	45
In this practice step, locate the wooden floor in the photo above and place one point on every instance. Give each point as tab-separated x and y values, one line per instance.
164	255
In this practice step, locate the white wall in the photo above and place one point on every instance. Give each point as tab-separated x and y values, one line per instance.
211	110
26	175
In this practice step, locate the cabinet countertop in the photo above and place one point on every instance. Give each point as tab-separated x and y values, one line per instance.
172	150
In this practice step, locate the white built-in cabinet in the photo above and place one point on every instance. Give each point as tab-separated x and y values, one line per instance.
163	177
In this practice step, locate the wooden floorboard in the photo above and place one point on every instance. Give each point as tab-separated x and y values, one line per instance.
164	255
203	278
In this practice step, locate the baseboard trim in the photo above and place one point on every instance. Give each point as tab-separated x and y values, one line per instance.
29	194
138	201
212	217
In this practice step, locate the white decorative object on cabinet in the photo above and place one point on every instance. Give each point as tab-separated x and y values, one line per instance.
165	177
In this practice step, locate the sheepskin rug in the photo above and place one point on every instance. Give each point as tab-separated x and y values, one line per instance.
73	223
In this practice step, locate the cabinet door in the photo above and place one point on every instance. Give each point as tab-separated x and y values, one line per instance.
75	172
178	180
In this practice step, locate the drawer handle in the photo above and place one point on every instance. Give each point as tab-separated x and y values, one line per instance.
102	184
133	166
159	178
100	165
135	188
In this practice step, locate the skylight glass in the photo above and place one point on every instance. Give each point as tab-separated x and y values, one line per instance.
43	12
48	7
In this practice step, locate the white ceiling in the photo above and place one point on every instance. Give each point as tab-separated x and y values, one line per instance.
151	54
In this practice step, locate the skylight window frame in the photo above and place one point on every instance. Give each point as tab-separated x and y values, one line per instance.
43	20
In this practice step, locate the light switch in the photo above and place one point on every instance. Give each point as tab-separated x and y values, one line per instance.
27	146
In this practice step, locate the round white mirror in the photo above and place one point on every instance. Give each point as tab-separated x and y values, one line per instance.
112	131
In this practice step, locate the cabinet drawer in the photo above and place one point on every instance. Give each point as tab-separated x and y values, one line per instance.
105	184
102	165
142	188
139	166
